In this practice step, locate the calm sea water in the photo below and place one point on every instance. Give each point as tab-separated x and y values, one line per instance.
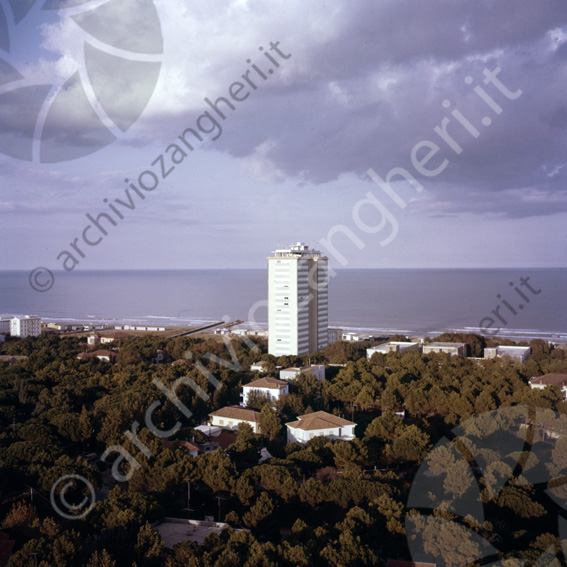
408	301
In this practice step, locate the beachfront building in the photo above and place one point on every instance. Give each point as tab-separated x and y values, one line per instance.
514	353
393	346
318	370
547	380
454	349
25	327
115	336
297	301
319	423
356	337
231	416
272	388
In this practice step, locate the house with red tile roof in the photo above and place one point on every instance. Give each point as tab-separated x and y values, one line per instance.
232	416
270	387
318	423
547	380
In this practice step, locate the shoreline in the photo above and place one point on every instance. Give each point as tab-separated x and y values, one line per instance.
170	322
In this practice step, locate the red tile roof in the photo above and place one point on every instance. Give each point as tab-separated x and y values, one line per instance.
270	383
318	420
237	412
550	380
225	439
182	444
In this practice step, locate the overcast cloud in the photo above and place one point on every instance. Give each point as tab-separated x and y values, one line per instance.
358	86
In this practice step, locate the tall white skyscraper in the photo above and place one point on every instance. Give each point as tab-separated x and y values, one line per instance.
298	280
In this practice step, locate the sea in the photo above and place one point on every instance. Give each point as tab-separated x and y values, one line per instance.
514	303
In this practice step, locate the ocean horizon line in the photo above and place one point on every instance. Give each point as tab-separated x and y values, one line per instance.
473	268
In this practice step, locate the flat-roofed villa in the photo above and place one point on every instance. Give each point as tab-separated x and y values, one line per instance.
318	423
393	346
547	380
231	416
454	349
271	387
318	370
515	353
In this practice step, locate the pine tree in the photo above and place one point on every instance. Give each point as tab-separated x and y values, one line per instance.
270	424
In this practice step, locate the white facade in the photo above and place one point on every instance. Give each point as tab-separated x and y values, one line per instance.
297	301
267	386
319	423
25	327
454	349
318	370
394	346
356	337
516	353
93	339
230	417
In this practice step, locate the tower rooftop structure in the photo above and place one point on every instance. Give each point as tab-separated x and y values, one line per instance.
298	250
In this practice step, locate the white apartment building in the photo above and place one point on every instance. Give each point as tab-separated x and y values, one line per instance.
272	388
514	353
318	370
298	281
453	349
25	327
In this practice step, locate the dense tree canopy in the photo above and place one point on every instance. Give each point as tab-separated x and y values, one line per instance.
317	504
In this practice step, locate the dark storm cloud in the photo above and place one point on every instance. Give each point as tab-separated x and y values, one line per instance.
367	95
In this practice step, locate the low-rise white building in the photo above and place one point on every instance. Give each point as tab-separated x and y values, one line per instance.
231	416
515	353
102	355
547	380
318	370
249	332
93	339
115	336
318	423
25	327
454	349
270	387
394	346
350	336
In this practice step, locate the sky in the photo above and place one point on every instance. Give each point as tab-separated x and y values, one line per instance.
385	133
